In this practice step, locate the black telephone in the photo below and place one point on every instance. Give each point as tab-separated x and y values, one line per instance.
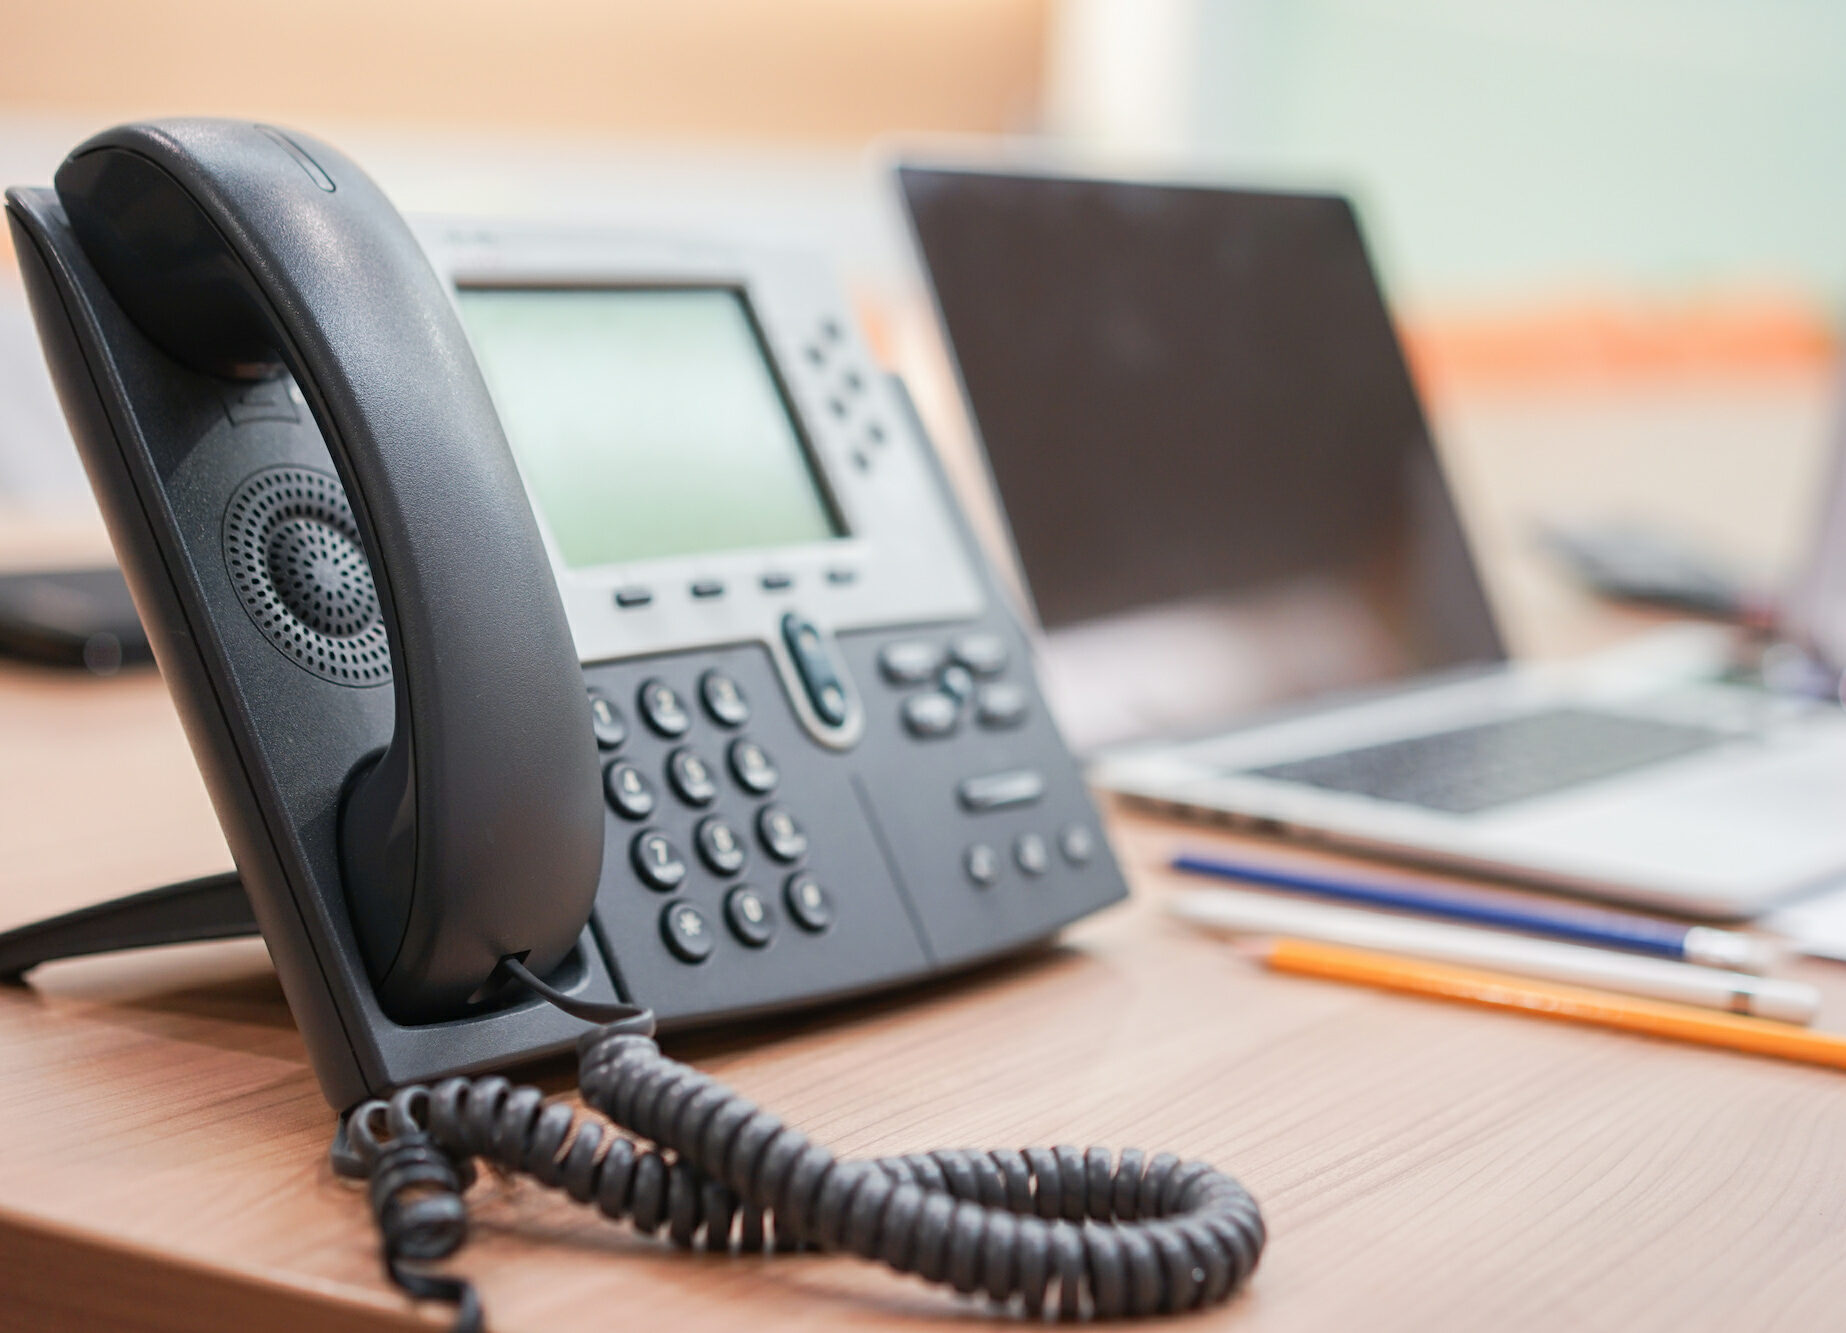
707	703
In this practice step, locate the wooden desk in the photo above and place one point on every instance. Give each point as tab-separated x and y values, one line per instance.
1421	1166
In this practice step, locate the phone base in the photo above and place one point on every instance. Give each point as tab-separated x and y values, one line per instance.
213	907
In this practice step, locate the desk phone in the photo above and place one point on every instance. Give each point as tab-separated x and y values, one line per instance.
566	623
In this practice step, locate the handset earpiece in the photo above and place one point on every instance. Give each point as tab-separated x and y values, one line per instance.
477	834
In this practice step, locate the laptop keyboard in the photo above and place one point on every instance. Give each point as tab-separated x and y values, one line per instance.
1476	768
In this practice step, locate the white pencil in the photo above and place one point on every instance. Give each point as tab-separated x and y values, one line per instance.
1257	914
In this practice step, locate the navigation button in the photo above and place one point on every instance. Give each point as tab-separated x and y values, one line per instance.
808	902
999	791
657	861
749	916
825	689
629	791
660	704
686	932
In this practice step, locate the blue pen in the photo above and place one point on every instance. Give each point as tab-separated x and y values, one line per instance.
1609	930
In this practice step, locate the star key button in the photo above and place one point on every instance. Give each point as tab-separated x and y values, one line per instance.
686	932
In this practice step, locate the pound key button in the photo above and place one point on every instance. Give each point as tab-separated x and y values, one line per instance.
751	765
723	699
781	834
661	706
606	720
749	916
927	716
686	932
808	902
691	777
719	846
629	791
657	861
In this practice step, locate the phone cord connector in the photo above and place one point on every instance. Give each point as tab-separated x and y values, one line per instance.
1079	1232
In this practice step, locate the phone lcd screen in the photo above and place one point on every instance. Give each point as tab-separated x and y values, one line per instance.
648	422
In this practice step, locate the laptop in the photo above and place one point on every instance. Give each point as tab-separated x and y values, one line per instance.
1257	599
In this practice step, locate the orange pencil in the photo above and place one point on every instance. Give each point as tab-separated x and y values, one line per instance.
1573	1004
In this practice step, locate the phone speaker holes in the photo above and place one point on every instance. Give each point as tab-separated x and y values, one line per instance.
294	555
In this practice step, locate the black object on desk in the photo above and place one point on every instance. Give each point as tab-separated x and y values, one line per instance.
71	618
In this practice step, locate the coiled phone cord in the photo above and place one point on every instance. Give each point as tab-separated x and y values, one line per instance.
1078	1232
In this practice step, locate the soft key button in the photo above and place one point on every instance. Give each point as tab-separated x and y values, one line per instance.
931	715
983	654
909	661
1000	705
819	677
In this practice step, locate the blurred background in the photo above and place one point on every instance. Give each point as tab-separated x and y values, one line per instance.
1613	231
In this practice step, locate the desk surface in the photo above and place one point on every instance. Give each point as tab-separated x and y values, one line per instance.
1421	1165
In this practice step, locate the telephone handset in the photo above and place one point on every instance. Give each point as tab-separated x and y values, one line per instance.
573	629
477	833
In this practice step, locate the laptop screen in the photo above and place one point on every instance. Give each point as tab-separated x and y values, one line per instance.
1206	442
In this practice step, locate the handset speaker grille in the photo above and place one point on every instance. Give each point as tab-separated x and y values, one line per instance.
293	553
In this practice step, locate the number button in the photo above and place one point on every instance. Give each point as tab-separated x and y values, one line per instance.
781	834
606	720
660	705
751	765
723	699
629	791
686	932
748	916
808	902
691	777
657	861
719	846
